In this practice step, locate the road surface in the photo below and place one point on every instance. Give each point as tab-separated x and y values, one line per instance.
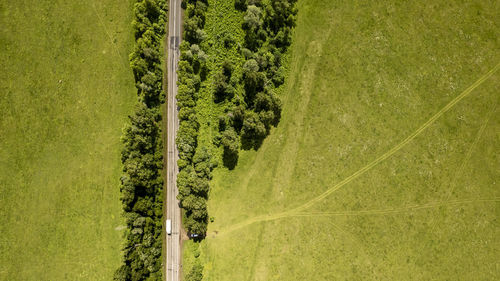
173	251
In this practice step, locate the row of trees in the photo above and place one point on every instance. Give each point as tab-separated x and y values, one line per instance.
195	164
142	181
267	26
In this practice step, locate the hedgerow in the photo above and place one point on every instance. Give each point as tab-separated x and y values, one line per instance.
195	165
142	181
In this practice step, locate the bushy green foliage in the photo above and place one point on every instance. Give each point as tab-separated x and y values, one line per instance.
231	143
142	182
267	26
146	59
195	164
142	196
224	86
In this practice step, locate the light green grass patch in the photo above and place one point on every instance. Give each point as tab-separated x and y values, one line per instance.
66	89
363	77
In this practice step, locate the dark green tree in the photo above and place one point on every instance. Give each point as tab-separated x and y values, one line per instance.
231	143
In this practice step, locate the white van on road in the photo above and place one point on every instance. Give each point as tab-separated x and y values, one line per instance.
168	226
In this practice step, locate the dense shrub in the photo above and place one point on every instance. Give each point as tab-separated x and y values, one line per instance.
231	143
142	196
267	28
195	164
142	182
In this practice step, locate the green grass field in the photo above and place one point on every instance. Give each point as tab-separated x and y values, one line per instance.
385	165
66	89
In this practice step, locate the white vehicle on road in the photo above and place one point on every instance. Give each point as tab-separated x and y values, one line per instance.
168	226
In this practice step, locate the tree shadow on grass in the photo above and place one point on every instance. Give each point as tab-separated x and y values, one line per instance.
230	159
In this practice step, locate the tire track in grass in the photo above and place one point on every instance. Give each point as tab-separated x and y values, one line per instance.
396	210
287	163
471	149
351	213
288	151
399	146
108	34
251	276
370	165
465	161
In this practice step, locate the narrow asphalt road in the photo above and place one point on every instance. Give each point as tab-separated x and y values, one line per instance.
173	213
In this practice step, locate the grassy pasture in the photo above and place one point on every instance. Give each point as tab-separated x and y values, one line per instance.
66	89
362	78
